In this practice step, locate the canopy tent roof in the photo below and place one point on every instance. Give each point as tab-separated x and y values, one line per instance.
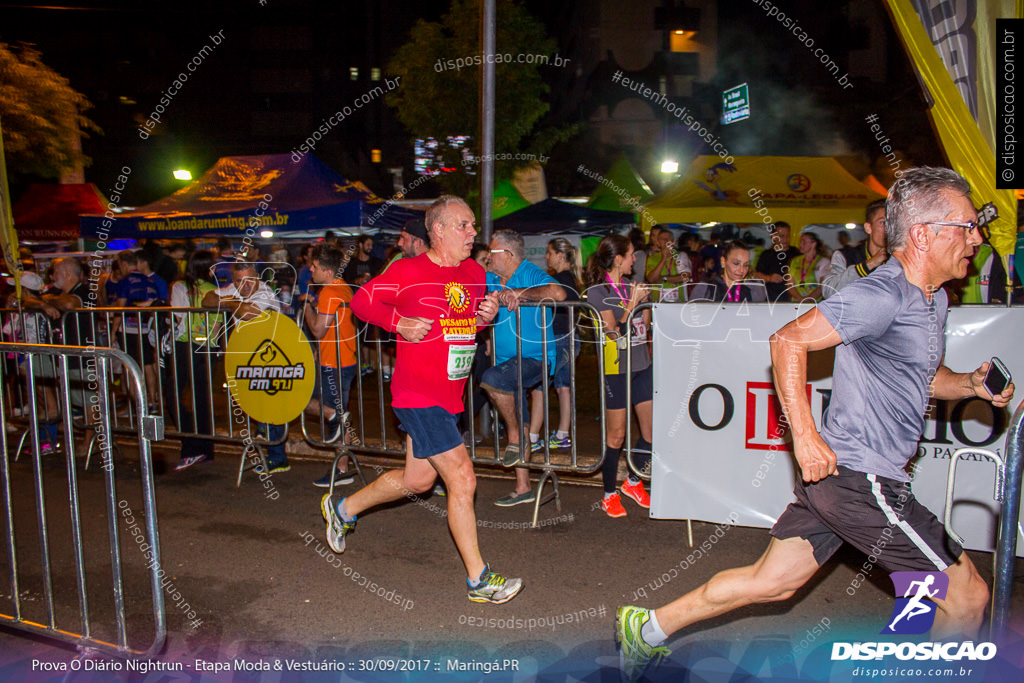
552	216
797	190
267	192
49	211
622	190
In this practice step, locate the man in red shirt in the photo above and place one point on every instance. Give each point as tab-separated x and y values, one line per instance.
329	319
435	303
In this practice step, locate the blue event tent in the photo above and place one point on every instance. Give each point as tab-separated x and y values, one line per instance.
267	192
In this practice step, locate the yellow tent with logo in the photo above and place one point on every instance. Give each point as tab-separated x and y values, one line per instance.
797	190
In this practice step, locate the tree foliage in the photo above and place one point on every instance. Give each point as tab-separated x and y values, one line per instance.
438	100
41	115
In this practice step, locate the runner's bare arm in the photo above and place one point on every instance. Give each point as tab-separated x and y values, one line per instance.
789	349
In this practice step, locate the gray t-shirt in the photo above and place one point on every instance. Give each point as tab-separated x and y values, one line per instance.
605	297
893	342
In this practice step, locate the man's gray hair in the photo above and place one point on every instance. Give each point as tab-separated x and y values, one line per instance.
242	266
438	212
919	196
513	241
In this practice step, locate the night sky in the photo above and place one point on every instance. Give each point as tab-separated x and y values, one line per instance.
282	66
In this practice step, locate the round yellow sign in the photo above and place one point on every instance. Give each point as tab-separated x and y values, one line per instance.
270	370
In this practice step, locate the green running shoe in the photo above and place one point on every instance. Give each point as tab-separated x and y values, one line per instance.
635	655
495	588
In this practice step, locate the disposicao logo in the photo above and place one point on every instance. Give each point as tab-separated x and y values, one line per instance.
914	613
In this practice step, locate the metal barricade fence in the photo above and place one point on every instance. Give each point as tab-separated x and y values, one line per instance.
185	374
549	468
335	433
29	326
48	557
1009	514
371	403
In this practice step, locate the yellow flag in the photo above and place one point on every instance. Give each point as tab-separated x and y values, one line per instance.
8	238
965	145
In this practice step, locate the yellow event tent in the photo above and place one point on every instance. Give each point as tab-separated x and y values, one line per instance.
797	190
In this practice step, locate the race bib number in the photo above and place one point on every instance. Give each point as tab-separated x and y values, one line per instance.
669	295
639	332
460	361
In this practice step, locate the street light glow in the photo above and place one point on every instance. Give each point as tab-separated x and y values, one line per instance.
182	174
266	234
669	167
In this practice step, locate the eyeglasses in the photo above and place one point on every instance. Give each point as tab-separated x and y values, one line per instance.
499	251
971	227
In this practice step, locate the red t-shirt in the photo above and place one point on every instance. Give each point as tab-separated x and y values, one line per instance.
433	371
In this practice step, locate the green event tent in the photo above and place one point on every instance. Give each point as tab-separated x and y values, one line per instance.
507	199
622	190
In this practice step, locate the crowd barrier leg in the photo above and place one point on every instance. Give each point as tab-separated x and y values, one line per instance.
61	535
1009	514
542	499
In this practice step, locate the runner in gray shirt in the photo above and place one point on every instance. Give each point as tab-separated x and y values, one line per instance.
890	325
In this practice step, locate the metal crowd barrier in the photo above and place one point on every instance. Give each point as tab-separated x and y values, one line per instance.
548	468
35	490
1007	492
1009	514
156	331
340	441
365	408
25	326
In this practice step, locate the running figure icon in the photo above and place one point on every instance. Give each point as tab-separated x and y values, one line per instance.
914	606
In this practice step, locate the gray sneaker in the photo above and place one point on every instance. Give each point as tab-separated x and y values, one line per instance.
516	499
337	528
495	588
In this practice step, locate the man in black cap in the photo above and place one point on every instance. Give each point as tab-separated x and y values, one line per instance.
414	241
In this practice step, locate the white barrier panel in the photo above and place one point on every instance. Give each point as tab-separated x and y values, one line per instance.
722	452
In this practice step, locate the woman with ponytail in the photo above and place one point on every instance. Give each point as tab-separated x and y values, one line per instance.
616	296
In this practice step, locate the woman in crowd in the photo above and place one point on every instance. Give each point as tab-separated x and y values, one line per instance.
563	263
616	296
195	346
730	285
809	269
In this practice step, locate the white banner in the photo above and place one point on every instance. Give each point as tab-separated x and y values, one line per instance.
721	451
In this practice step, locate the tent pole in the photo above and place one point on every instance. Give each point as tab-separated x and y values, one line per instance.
487	23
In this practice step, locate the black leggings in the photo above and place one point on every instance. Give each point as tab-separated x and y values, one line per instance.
610	467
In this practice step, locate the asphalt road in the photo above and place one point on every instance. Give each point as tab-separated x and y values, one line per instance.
250	583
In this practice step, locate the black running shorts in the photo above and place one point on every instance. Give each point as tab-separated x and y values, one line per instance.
877	515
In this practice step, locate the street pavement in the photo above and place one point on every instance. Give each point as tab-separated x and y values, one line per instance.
250	583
